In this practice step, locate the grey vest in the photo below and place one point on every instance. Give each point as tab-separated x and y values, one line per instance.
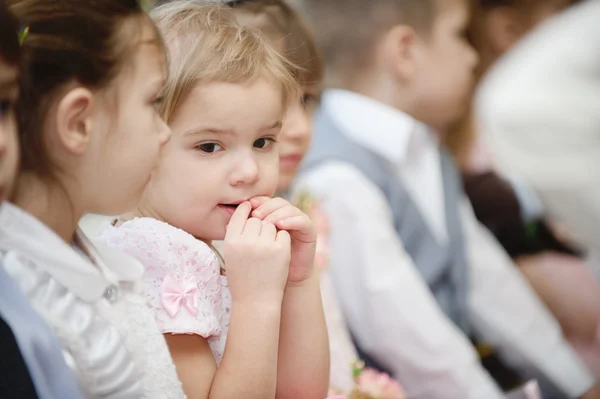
444	268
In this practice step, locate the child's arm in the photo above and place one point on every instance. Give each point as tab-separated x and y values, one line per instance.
304	351
257	259
510	315
249	365
191	353
303	370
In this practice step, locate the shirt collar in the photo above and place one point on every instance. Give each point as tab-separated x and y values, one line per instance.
381	128
23	233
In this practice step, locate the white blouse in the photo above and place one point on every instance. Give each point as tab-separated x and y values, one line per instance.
109	336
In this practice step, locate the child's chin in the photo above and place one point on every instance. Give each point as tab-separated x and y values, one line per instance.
218	233
214	233
219	237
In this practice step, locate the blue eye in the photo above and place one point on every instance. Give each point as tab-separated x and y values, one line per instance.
209	148
264	143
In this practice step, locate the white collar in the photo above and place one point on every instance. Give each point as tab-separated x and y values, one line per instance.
381	128
23	233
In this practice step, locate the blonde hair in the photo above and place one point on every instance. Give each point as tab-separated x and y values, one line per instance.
205	45
286	27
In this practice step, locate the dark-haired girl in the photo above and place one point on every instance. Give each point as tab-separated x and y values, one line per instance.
89	135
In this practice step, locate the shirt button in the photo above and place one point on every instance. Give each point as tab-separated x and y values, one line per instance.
111	293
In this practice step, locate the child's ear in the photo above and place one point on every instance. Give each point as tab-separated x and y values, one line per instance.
503	29
399	45
74	120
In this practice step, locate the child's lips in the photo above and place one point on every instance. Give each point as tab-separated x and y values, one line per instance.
229	209
234	204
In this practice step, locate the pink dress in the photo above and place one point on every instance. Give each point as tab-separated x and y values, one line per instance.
182	280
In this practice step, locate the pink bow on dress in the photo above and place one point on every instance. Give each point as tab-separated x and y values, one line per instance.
175	294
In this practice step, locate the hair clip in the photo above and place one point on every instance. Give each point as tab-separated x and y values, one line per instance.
23	34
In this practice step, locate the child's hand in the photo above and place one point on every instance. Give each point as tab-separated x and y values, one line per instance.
257	257
287	217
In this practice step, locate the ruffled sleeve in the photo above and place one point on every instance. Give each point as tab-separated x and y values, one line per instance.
182	275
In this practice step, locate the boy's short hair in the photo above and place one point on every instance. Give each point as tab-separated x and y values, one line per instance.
205	44
347	31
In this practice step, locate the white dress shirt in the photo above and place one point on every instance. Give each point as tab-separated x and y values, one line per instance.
540	107
388	306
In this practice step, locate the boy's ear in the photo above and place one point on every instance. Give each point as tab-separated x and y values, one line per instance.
503	29
399	49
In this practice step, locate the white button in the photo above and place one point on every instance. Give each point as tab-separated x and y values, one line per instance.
111	293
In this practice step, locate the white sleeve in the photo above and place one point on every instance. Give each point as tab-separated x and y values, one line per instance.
388	306
508	313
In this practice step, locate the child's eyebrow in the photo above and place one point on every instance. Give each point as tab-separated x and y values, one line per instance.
215	130
276	125
201	130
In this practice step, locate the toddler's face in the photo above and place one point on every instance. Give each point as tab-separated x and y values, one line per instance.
8	128
294	139
445	67
223	151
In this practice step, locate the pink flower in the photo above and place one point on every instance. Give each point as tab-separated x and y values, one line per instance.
378	385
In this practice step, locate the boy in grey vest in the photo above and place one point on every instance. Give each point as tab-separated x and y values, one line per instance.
414	271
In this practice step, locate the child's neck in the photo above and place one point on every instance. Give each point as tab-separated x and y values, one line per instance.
49	203
144	210
384	90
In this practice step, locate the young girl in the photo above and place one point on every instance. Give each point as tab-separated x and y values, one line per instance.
89	135
290	35
256	328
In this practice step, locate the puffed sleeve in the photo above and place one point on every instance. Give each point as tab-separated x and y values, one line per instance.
181	279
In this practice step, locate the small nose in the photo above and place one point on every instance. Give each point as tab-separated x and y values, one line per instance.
245	172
